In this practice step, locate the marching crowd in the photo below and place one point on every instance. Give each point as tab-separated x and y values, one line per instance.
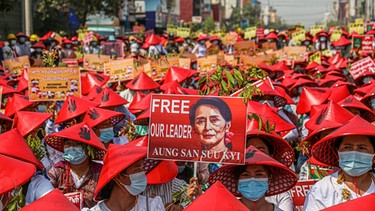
90	153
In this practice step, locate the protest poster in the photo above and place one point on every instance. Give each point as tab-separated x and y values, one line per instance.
362	67
326	52
120	70
299	36
315	29
53	83
293	53
316	57
357	27
173	61
76	198
206	65
260	32
370	26
113	49
184	62
37	63
230	39
95	62
244	47
299	192
336	34
363	42
250	32
247	62
230	59
197	128
269	46
16	65
171	28
156	69
70	62
183	32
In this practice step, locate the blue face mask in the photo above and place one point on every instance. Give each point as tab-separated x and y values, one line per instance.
68	46
39	50
215	42
74	155
138	183
13	42
202	42
94	43
372	103
106	134
366	79
75	42
355	163
41	108
22	39
253	188
181	169
300	90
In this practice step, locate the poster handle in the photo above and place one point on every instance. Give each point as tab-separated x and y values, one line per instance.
195	174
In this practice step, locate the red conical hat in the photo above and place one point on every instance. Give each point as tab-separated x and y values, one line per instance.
370	93
109	98
332	112
178	73
153	40
143	118
302	82
22	84
312	96
271	35
338	93
117	159
352	102
14	173
73	107
46	36
325	150
163	172
265	112
361	203
28	121
219	198
142	82
39	45
13	145
92	79
137	97
280	66
283	151
80	132
281	179
283	93
94	92
17	103
341	42
5	118
170	85
313	65
142	105
94	116
54	200
334	59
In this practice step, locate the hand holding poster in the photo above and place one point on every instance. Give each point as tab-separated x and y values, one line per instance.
196	128
51	84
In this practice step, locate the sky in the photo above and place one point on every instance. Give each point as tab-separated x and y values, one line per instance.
305	12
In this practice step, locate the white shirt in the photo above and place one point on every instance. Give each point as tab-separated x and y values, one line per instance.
282	201
38	187
200	50
156	50
154	204
327	192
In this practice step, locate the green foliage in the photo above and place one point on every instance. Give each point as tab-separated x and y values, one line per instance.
90	150
318	173
180	197
209	24
268	126
35	144
249	11
17	202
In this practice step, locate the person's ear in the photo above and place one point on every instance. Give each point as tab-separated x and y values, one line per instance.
227	126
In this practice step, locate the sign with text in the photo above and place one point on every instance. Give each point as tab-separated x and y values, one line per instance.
76	198
293	53
357	27
315	29
299	191
183	32
120	70
362	67
113	49
250	32
244	47
316	57
363	42
336	35
16	65
197	128
299	36
184	62
53	83
95	62
70	62
206	65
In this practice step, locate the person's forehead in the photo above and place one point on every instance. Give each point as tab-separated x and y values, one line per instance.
358	139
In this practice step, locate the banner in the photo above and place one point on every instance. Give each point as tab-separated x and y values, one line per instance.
71	62
206	65
173	61
16	65
197	128
244	47
336	35
315	29
171	29
120	70
299	36
250	32
316	57
269	46
370	26
113	49
247	62
357	27
95	62
299	192
156	69
184	62
260	32
230	39
363	42
230	59
183	32
362	67
53	83
293	53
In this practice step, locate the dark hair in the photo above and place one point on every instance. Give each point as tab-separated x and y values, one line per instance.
106	191
215	102
265	141
340	139
238	170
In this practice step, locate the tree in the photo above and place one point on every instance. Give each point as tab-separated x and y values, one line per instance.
54	14
209	24
249	11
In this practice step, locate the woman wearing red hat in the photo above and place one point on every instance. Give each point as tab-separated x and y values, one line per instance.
123	179
350	147
78	173
67	50
200	48
261	176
